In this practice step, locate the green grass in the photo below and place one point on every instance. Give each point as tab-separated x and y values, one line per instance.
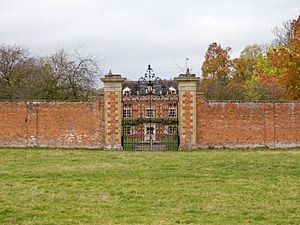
52	186
130	143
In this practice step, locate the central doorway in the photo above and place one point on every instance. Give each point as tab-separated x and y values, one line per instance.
149	132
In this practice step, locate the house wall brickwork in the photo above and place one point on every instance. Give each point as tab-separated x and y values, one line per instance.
52	124
160	105
247	124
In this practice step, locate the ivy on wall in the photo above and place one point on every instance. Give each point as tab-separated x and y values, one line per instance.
137	121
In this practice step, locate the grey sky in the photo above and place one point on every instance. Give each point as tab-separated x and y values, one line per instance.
130	34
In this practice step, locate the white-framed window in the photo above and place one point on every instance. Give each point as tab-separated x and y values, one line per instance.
172	112
127	91
127	113
172	91
128	129
171	129
149	113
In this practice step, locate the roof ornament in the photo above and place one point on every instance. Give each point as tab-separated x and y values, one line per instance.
111	75
188	70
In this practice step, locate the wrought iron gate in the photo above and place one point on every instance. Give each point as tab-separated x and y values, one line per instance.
150	113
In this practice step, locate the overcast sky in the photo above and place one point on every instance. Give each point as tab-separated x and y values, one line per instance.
130	34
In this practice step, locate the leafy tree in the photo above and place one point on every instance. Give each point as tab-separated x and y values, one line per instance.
255	89
251	52
282	64
217	62
260	73
225	78
216	72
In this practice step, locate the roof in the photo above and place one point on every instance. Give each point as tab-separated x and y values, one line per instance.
166	83
160	87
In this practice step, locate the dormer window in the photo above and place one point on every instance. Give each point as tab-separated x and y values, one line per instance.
157	89
127	91
142	89
172	91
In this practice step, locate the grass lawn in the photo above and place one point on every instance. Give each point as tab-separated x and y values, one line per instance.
53	186
131	144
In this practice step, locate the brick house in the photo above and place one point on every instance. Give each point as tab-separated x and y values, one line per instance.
150	117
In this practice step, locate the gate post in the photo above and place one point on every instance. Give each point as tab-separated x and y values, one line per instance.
187	87
113	110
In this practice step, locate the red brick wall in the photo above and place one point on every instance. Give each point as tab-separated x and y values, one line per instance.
80	124
52	124
13	126
247	124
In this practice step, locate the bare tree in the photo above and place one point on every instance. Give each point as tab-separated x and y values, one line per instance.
64	75
14	65
283	34
72	76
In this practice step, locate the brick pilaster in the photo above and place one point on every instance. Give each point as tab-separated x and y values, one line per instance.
269	125
112	111
32	123
187	86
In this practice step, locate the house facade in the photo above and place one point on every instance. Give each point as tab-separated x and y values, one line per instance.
150	113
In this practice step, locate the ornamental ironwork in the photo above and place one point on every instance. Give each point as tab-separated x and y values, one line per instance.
150	113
